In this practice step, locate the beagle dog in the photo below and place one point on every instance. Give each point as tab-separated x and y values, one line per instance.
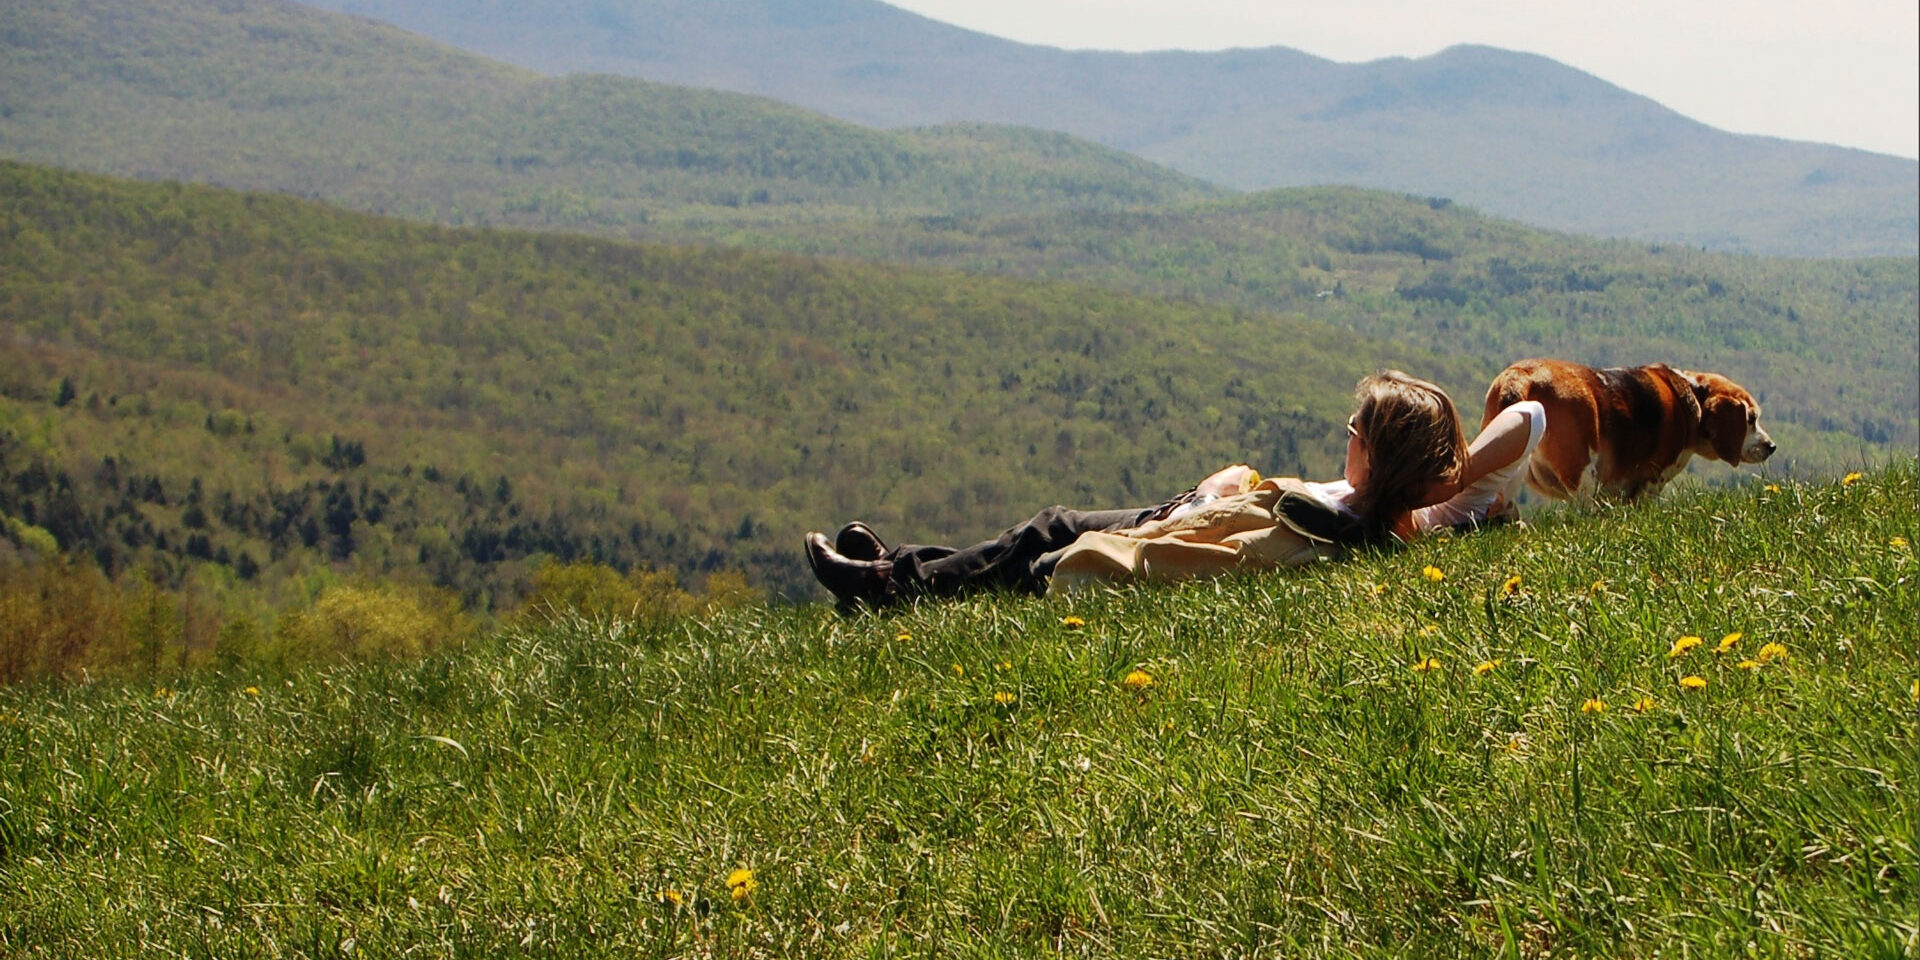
1625	431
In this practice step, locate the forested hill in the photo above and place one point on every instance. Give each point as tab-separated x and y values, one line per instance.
264	94
1510	133
197	376
1827	345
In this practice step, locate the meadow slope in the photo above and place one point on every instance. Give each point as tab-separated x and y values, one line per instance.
1476	746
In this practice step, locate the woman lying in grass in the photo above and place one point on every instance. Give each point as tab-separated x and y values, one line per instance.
1408	470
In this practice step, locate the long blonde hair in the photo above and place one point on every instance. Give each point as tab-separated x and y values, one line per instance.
1413	440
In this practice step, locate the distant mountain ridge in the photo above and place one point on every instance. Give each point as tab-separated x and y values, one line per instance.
1512	134
266	94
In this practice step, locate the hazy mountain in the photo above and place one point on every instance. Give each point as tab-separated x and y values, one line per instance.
272	95
1510	133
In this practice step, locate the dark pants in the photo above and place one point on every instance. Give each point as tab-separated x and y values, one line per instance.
1009	561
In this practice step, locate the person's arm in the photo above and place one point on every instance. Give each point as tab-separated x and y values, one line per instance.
1502	442
1229	480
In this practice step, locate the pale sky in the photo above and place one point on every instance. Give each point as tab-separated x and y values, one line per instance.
1832	71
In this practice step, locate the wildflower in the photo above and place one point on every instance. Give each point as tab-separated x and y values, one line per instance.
1511	587
1727	642
1643	704
1003	698
1430	629
1898	543
1748	664
1771	488
1682	645
903	637
1072	623
1426	665
1692	682
740	883
1004	665
1772	651
1432	573
1379	588
1138	680
253	691
671	897
1593	705
1599	586
1851	479
959	671
1485	667
162	694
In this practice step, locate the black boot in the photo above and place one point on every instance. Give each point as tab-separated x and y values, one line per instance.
857	541
852	582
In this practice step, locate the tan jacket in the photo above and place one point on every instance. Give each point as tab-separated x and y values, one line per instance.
1247	531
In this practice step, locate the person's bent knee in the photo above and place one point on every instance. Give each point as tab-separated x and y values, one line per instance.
1052	515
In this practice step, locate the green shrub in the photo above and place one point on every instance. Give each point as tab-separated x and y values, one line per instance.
371	621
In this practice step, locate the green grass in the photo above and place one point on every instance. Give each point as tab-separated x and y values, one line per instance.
1286	786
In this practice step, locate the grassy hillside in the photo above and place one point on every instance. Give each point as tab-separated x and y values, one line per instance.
265	94
1241	767
391	397
1511	133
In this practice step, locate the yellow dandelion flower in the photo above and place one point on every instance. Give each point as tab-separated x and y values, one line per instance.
162	693
1682	645
1004	665
1772	651
1138	680
1851	479
1432	573
1727	642
672	897
1511	587
1430	629
1643	704
1748	664
1599	586
959	671
903	637
740	883
1898	543
1427	665
1003	698
1379	588
1594	705
1692	682
1072	623
253	691
1485	667
1771	488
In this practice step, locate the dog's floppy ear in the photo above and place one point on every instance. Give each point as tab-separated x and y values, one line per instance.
1723	420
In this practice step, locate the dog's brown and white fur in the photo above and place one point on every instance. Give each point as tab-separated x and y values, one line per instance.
1625	431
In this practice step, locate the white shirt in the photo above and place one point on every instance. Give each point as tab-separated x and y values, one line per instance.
1501	484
